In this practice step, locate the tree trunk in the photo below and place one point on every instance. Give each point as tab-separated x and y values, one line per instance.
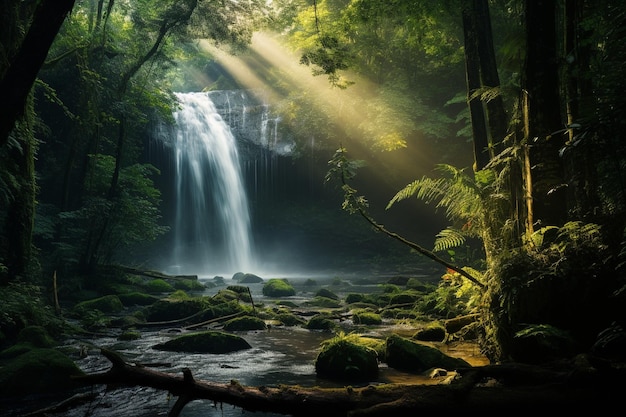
543	111
496	115
24	66
480	137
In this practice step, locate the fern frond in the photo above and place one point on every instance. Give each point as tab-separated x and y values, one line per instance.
448	238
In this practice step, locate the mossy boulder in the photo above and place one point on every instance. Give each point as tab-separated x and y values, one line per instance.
205	342
289	319
168	309
278	288
35	336
354	298
238	276
320	322
243	292
109	304
129	335
405	297
136	298
325	292
250	279
406	355
187	284
40	370
418	285
366	318
245	323
159	286
344	360
433	332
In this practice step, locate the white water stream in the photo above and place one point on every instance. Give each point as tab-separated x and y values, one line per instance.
212	224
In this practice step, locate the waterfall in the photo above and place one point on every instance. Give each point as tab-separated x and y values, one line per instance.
212	221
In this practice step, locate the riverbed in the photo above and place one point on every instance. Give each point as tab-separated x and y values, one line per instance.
279	356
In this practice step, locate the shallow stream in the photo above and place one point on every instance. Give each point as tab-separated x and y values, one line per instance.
279	356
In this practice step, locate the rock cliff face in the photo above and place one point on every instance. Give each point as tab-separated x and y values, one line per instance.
252	122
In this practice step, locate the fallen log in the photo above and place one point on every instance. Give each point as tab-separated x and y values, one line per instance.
151	274
474	389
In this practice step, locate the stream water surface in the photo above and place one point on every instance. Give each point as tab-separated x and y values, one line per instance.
279	356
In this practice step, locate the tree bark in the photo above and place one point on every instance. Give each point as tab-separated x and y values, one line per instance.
20	76
480	138
514	387
543	109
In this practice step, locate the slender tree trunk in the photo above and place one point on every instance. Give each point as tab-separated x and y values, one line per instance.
472	71
542	107
496	115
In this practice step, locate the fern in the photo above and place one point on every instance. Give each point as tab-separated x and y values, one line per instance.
448	238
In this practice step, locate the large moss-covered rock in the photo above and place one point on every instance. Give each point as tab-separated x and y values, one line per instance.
433	332
405	355
136	298
325	292
159	286
245	323
107	304
366	317
35	336
173	309
250	279
278	288
289	319
320	322
344	360
37	371
205	342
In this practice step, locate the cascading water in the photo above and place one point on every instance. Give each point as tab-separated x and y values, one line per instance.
212	220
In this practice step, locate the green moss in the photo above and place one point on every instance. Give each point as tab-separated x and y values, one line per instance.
345	360
158	286
433	332
245	323
106	304
289	319
407	355
179	295
417	285
366	317
137	299
325	292
35	336
205	342
354	298
129	335
243	292
320	322
323	302
189	285
405	297
38	371
278	288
